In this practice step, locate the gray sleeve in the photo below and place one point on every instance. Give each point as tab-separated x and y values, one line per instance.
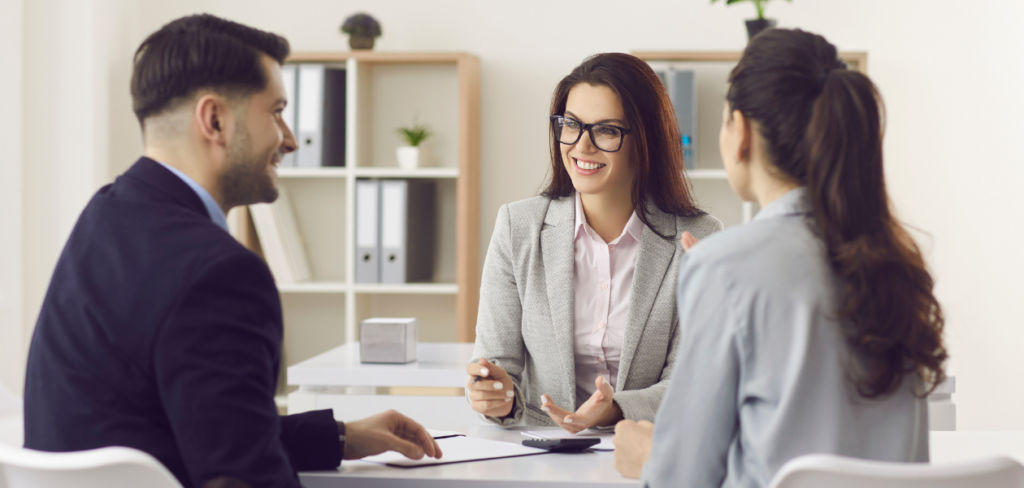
698	419
499	336
643	404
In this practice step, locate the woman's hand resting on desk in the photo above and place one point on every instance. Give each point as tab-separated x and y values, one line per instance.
598	411
492	394
632	447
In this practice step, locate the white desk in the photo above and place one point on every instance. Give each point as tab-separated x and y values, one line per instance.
336	379
593	469
947	447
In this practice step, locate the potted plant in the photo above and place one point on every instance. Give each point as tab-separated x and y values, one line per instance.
412	155
754	27
362	30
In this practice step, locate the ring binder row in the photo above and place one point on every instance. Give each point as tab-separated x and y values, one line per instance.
316	114
682	91
395	230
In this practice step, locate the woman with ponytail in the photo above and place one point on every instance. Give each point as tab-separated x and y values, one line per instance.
814	328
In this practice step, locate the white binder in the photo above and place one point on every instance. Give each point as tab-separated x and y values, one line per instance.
320	116
367	231
288	77
280	239
407	230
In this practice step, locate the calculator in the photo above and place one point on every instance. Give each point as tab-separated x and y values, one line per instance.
563	445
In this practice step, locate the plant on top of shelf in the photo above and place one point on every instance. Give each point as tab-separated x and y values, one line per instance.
755	26
413	155
362	30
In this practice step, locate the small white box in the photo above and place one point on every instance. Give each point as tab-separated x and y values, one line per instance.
388	341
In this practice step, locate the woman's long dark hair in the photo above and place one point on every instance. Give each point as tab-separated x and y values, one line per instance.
657	148
823	124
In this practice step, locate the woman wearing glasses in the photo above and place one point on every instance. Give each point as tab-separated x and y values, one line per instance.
577	324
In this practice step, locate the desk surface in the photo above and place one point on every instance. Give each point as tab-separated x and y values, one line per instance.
594	469
954	446
438	365
544	471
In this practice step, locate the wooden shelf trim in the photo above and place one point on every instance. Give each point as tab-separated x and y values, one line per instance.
368	172
379	57
324	287
857	59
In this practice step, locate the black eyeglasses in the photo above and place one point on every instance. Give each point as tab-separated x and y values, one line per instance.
605	137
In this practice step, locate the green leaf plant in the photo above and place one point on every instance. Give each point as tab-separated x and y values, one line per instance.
415	134
759	4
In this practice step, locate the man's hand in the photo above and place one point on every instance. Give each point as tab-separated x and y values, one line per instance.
492	394
599	410
388	431
687	240
632	447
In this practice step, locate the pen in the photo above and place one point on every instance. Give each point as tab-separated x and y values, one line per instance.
482	370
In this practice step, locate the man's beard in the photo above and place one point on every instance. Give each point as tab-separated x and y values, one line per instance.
246	179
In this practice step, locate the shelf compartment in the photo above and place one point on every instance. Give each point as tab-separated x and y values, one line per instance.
313	287
325	172
407	173
707	174
407	288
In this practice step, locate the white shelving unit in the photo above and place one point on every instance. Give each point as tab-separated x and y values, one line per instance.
386	91
710	183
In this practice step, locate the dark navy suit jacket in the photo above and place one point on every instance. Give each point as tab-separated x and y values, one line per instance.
161	332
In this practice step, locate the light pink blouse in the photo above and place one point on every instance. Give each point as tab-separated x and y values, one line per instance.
602	279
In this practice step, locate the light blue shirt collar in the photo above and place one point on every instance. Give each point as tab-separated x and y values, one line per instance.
216	214
792	203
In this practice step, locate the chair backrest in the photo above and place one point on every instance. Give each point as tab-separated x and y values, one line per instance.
818	470
109	467
9	404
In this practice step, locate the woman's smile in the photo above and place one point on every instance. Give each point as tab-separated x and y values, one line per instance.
586	167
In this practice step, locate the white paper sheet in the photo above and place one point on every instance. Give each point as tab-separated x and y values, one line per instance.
443	433
458	450
605	445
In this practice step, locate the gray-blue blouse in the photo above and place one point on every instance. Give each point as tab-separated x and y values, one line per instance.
761	374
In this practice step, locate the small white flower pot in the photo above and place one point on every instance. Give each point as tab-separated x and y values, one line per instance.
412	157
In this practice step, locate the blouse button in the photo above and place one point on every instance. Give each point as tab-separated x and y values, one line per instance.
604	286
600	325
600	360
611	247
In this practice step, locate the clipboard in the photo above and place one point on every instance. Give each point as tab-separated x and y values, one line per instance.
456	450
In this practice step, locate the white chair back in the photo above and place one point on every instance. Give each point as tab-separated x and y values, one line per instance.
109	467
12	431
826	470
9	404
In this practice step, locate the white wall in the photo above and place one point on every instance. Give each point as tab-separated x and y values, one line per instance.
952	152
12	330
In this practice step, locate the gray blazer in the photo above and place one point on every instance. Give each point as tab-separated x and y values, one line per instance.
525	324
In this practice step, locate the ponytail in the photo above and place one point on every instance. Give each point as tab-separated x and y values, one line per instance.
824	125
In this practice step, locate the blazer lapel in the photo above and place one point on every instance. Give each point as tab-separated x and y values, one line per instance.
558	252
652	264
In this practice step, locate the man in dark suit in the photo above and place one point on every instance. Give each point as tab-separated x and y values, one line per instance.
161	332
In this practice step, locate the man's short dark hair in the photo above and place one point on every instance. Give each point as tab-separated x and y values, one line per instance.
200	52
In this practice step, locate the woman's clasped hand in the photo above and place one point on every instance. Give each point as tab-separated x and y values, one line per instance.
489	388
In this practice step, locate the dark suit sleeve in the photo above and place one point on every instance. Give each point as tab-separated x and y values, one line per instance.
216	367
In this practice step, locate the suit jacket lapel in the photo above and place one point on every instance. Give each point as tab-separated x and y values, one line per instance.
652	264
558	252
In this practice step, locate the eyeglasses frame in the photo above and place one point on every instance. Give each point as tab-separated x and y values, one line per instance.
588	128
